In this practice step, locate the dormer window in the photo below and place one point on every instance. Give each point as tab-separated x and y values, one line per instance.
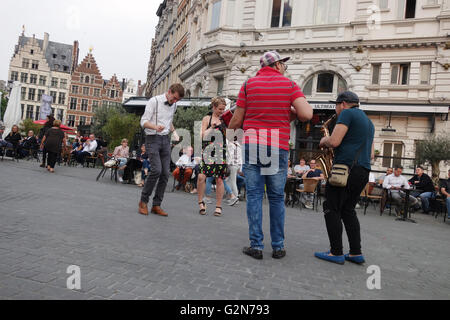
55	56
32	51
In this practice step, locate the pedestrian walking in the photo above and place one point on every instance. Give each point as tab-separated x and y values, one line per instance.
266	106
213	165
352	140
158	124
41	134
53	141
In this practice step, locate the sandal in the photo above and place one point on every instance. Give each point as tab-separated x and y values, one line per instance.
217	213
202	211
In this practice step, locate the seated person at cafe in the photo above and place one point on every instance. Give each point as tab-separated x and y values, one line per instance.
28	145
313	173
185	162
445	191
290	172
3	143
121	153
301	168
394	183
381	178
87	149
425	188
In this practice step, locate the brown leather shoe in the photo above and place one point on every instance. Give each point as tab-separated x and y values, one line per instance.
160	212
143	209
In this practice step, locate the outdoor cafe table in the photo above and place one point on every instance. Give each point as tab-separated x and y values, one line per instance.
406	205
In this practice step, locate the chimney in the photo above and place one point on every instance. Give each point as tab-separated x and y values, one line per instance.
75	55
45	45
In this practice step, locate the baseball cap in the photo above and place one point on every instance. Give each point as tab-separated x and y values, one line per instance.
346	96
271	57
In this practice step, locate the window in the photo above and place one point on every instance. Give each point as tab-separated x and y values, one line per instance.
327	11
37	113
383	4
113	94
85	91
31	94
75	89
215	19
425	73
96	92
73	103
30	112
89	65
86	80
66	68
71	121
82	121
95	104
53	94
63	57
42	80
23	94
35	65
33	78
31	51
62	98
324	85
60	115
400	74
14	76
281	13
57	67
63	83
376	69
392	150
54	83
22	106
53	112
84	104
40	93
55	56
24	77
410	11
26	63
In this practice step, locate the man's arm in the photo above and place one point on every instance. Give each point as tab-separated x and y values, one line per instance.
238	118
444	192
386	183
148	114
303	109
336	138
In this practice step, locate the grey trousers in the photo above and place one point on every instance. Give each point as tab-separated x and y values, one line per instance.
158	148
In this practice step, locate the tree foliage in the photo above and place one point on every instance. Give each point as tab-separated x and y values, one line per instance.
433	151
119	126
27	125
101	116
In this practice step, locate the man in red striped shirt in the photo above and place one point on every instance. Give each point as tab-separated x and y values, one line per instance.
266	106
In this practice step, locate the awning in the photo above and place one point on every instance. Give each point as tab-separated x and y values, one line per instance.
389	107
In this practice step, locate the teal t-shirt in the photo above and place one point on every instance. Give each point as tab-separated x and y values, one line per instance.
360	130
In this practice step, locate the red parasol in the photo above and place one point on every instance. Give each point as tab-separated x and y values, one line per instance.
63	127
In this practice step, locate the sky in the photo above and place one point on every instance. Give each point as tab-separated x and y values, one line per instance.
120	32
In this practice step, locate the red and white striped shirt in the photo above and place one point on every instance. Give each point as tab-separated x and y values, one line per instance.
268	98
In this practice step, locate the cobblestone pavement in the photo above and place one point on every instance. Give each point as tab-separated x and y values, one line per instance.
49	222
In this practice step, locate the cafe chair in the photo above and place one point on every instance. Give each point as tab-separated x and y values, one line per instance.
310	186
370	197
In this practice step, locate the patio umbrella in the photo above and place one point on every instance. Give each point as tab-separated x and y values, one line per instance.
13	113
62	127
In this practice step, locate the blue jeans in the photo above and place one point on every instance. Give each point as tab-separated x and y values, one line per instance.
255	181
425	197
448	206
209	182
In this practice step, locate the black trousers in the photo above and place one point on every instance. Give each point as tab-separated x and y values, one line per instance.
339	208
51	159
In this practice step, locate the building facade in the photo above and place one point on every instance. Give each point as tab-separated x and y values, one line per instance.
395	54
112	94
43	67
86	93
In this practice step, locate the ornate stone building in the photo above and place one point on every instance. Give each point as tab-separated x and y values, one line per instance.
112	93
395	54
43	67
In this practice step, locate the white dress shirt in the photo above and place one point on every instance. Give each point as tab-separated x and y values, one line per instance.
185	161
393	181
91	147
165	115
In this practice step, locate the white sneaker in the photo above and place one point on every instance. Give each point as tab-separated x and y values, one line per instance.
309	206
357	206
233	201
120	179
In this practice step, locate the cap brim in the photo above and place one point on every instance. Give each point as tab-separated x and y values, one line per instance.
285	59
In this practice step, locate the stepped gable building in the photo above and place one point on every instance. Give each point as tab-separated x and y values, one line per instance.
395	54
112	92
86	92
43	67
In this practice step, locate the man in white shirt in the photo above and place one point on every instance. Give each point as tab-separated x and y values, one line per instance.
157	122
89	148
185	167
394	183
301	168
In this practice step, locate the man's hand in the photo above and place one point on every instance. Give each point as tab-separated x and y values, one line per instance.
160	128
323	142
